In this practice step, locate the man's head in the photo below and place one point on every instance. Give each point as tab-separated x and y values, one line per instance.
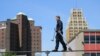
57	17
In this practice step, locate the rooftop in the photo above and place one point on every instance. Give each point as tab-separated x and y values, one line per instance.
20	13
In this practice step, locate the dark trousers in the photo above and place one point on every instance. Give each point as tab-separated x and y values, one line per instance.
59	39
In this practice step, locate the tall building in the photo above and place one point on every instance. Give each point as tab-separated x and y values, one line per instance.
76	23
20	34
85	40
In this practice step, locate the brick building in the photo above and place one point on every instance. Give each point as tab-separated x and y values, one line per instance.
20	34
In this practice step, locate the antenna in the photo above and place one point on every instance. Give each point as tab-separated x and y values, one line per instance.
75	4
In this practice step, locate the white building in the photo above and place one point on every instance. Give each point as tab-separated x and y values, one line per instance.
76	23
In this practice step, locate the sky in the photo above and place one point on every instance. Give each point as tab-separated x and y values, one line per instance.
43	13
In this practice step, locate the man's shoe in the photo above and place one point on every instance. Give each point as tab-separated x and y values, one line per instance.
54	50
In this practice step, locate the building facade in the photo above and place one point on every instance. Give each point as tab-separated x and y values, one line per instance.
76	23
2	34
20	34
85	40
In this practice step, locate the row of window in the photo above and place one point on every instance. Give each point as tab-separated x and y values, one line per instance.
78	25
77	12
74	32
36	48
92	39
2	43
35	29
36	43
77	22
36	36
77	15
36	40
91	54
78	28
36	33
79	18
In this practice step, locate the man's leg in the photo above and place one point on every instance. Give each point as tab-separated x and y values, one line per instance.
57	43
62	42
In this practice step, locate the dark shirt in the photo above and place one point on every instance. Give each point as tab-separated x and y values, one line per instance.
59	26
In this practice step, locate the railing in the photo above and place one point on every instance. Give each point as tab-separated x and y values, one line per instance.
52	53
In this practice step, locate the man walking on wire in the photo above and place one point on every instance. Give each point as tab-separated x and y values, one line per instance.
59	35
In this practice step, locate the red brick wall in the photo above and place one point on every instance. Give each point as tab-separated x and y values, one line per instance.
92	46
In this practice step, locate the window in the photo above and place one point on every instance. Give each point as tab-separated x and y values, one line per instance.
80	24
2	33
85	27
80	21
75	18
90	54
98	54
97	39
37	43
34	43
70	30
37	33
2	29
75	28
92	39
71	24
86	39
85	24
2	37
75	21
2	45
93	54
74	15
71	27
80	27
